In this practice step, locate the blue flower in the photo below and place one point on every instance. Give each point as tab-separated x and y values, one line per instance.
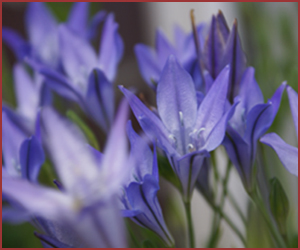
139	198
151	62
85	213
41	27
183	130
287	154
88	79
252	118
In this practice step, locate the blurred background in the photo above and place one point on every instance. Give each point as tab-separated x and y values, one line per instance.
269	35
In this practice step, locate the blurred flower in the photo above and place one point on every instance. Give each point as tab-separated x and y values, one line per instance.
251	119
287	154
89	77
87	206
41	27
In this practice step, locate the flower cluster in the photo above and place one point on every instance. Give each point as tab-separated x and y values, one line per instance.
206	96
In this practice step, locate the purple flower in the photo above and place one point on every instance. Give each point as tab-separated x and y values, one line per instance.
252	118
151	62
183	130
41	27
287	154
89	76
87	207
139	198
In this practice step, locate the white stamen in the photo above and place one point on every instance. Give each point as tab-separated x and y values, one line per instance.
191	147
181	118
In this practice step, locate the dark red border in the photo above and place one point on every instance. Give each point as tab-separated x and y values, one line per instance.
124	1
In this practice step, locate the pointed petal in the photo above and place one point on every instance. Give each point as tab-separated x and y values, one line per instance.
37	200
73	161
12	137
202	183
16	43
261	117
21	122
114	159
111	48
187	169
26	92
217	134
78	18
142	197
212	108
94	24
14	216
57	81
148	64
250	92
235	57
78	63
140	153
51	242
100	99
239	152
222	26
39	22
250	95
163	48
293	99
149	122
130	213
42	32
176	97
287	154
31	158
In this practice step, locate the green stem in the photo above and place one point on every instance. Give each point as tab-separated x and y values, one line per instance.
217	218
187	206
228	221
237	208
274	231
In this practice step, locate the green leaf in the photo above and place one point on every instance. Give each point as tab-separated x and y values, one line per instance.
85	129
279	204
167	172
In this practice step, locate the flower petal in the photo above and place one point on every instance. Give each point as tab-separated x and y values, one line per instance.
100	99
148	64
12	137
163	48
287	154
78	63
27	93
16	43
143	198
57	81
217	134
212	107
73	161
94	23
149	122
37	200
42	32
111	48
114	159
31	158
176	97
235	57
78	18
